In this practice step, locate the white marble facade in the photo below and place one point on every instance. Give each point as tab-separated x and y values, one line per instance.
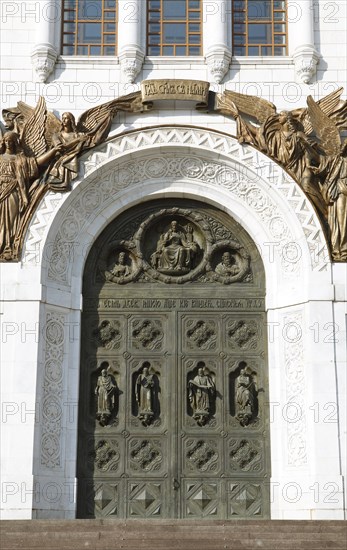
41	295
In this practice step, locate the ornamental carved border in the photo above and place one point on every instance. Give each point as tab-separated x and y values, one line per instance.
230	175
97	197
40	153
53	380
295	390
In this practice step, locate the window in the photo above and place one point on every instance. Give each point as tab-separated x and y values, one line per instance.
259	28
89	27
174	27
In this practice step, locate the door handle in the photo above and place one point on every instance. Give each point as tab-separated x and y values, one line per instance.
175	484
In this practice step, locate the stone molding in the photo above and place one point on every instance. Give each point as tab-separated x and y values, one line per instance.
131	61
218	62
52	391
266	176
96	197
296	391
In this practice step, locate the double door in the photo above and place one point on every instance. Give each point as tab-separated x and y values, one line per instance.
172	414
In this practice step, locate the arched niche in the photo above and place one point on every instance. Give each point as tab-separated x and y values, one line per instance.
189	163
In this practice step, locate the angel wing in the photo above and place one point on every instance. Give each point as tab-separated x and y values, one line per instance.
340	115
329	106
52	122
33	138
94	117
253	106
16	119
325	128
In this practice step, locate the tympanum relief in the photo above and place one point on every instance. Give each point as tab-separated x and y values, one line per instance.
176	246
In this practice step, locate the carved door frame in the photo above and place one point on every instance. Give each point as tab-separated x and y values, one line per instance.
82	215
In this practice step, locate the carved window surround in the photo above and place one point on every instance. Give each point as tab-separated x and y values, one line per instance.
217	51
264	61
73	60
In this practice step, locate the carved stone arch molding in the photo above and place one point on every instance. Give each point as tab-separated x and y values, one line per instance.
214	163
162	162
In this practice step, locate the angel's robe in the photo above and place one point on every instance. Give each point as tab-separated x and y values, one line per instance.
334	191
16	171
65	169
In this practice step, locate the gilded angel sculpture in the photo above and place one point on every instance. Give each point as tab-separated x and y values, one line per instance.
294	139
40	152
331	170
19	169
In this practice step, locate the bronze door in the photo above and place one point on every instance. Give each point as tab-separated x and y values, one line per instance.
172	415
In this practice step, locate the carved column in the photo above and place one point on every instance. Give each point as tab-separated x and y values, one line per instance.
130	48
215	31
45	54
301	41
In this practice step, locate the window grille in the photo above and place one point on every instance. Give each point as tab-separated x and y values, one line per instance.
89	27
259	27
174	27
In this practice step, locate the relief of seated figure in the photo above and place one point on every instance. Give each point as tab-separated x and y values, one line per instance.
175	251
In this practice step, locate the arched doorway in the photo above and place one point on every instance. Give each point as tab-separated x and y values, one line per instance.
173	419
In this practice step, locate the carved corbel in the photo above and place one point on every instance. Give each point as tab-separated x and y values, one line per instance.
218	61
305	60
131	61
43	59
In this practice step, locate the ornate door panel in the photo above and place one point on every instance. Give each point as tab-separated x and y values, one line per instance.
173	390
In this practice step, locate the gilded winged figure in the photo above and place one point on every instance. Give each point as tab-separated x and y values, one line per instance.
40	152
306	142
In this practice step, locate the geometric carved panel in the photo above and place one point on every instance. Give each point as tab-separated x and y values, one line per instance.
145	455
106	499
147	334
145	500
202	455
104	455
245	455
242	334
200	334
107	334
202	499
245	499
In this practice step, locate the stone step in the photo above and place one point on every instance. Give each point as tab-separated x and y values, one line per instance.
173	535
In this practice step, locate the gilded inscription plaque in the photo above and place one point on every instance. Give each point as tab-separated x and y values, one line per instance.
186	90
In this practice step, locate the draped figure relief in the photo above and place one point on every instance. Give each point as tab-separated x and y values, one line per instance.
306	142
